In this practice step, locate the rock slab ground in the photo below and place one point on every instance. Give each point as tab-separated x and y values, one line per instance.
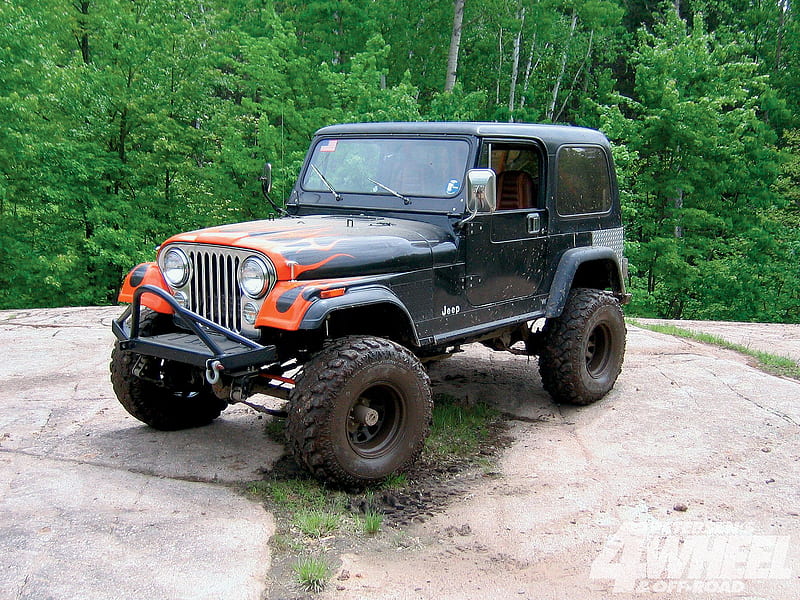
95	506
682	483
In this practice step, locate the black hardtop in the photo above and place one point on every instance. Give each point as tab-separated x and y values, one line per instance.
553	136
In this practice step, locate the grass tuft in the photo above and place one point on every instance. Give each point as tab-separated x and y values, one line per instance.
294	495
458	429
312	574
317	523
370	523
771	363
396	481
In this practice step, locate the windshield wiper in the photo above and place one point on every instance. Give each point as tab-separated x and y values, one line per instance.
391	191
336	195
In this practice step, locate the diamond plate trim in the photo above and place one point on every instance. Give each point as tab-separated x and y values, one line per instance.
610	238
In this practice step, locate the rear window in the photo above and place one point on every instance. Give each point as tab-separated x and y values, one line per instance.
584	184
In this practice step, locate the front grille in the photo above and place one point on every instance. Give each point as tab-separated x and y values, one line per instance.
213	288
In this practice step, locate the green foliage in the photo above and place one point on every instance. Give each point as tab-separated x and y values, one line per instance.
125	122
370	522
701	186
317	523
458	428
312	573
297	495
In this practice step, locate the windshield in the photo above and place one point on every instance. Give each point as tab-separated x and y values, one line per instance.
432	168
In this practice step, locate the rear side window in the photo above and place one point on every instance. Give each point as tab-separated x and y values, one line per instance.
584	184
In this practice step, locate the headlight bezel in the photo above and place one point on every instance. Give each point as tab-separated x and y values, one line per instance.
264	275
186	267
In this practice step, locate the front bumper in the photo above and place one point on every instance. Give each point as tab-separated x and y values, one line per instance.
205	344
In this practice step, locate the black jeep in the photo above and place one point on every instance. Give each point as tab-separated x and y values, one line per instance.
399	243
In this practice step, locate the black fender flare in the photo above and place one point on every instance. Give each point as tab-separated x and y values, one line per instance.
568	265
356	297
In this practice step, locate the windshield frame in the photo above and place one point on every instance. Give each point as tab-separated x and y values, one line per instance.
379	198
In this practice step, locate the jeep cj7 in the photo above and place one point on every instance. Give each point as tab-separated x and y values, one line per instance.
399	243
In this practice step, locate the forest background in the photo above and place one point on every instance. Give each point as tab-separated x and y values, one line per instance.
125	121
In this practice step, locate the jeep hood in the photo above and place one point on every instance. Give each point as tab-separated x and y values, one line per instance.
319	247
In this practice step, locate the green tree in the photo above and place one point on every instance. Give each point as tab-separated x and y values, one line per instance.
705	161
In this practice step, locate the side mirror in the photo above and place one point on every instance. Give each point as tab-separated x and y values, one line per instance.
266	178
481	190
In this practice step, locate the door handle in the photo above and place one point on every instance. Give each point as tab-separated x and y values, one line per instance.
534	223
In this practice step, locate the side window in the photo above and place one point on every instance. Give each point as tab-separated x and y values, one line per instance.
584	185
518	167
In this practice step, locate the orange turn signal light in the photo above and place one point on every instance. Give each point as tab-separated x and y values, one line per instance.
334	293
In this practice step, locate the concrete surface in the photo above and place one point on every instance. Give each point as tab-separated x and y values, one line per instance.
775	338
584	505
94	505
587	502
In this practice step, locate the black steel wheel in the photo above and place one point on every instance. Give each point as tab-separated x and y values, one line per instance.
360	410
583	349
164	394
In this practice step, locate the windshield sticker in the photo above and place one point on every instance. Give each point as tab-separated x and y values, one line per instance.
453	186
329	146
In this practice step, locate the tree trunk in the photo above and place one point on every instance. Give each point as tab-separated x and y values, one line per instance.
782	8
556	88
455	44
515	66
82	31
575	79
678	210
530	68
499	67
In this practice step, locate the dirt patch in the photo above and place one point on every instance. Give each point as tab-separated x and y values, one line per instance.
426	490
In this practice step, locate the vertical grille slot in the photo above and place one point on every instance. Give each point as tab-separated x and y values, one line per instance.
214	288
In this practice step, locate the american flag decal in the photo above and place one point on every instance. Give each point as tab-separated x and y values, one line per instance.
329	146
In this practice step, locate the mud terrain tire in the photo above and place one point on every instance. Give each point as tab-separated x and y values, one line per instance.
360	410
583	349
172	396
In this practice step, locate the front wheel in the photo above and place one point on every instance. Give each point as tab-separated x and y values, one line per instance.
360	410
164	394
583	349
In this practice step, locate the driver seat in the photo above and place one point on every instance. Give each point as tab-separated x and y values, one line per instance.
515	190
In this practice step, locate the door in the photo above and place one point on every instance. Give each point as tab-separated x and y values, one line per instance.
506	249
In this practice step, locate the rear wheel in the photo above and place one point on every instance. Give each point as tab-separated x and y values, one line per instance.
360	410
583	349
164	394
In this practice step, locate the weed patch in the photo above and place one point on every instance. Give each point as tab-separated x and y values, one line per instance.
458	428
312	573
317	523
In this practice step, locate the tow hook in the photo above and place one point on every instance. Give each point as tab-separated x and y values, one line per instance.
213	369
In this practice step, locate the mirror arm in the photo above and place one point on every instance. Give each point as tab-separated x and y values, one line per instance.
266	187
459	224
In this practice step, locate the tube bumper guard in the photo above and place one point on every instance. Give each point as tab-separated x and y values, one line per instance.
206	345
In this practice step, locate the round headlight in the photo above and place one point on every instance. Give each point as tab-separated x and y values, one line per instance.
255	277
175	267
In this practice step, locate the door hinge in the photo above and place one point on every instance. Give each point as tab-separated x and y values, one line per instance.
471	281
